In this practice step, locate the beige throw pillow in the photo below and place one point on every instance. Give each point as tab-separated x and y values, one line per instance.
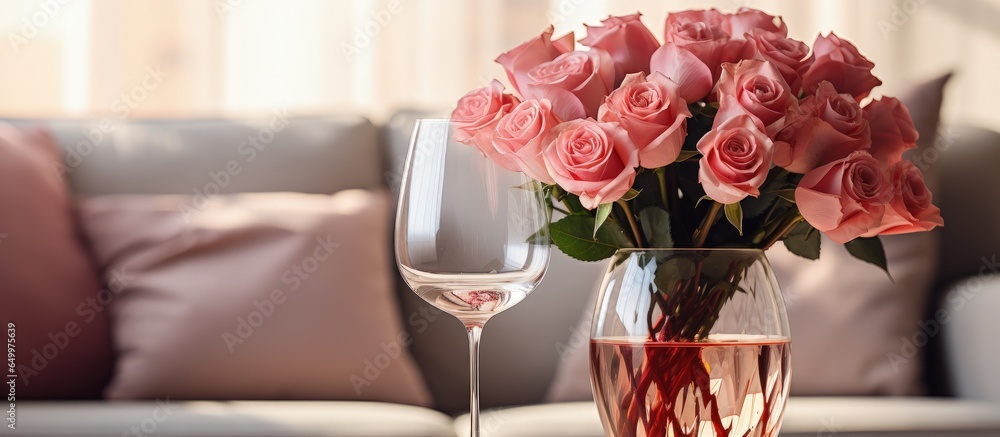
253	296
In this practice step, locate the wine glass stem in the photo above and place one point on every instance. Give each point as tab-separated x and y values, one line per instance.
474	332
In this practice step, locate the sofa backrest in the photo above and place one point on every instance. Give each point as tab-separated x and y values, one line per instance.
206	157
521	347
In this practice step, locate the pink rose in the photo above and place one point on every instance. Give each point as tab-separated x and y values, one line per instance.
593	160
627	40
711	17
523	134
653	113
846	198
736	159
746	20
476	115
892	129
759	90
829	127
911	209
575	82
683	67
839	62
789	56
519	61
703	33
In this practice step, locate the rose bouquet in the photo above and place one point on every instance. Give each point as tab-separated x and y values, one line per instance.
727	134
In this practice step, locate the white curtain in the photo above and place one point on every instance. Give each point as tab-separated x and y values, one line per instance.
242	57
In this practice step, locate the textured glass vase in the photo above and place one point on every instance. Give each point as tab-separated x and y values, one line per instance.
690	342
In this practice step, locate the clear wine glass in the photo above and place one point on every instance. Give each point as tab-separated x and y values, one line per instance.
470	235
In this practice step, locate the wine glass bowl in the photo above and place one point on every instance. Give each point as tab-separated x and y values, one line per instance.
471	237
469	234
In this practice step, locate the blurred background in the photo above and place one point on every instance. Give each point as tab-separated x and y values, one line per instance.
233	57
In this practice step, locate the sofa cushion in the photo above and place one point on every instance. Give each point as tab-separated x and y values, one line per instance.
62	347
253	296
968	319
168	418
206	157
968	159
804	417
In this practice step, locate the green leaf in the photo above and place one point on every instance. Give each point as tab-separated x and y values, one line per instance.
754	207
705	197
708	110
540	236
535	186
686	155
656	227
869	250
734	212
802	241
603	211
574	236
672	271
632	193
788	195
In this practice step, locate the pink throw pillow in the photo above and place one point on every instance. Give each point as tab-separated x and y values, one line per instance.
253	296
849	320
48	286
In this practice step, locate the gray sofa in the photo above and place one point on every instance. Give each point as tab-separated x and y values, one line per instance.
521	347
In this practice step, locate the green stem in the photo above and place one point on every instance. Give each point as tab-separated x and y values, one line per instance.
563	197
770	226
631	222
674	188
661	175
556	208
789	223
702	233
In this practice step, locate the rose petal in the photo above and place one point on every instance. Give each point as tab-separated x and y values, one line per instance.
684	68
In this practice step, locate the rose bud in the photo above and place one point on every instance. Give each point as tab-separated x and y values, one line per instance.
703	33
693	77
911	209
829	127
653	113
746	20
758	88
575	82
593	160
845	199
736	157
524	133
519	61
627	40
789	56
839	62
477	114
892	129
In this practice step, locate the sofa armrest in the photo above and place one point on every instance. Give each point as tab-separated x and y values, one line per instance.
970	322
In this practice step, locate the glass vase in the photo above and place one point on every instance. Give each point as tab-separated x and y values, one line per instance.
690	342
